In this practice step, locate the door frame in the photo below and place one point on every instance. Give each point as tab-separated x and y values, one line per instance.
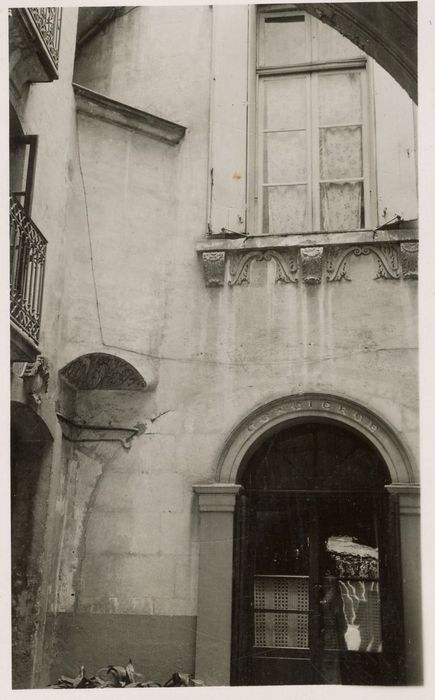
391	665
217	499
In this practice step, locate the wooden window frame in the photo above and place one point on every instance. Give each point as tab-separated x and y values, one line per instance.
30	140
257	74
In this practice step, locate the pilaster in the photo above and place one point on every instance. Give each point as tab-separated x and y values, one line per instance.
213	635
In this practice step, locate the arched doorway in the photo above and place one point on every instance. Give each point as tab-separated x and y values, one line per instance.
224	593
317	584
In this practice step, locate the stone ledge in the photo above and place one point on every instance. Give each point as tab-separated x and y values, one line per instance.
99	106
310	258
303	240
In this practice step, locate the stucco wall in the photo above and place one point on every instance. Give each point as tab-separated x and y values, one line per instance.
48	111
125	522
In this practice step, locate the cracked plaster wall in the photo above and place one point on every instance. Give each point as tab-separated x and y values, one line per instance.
129	519
215	353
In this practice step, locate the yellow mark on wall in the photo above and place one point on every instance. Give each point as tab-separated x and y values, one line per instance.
237	176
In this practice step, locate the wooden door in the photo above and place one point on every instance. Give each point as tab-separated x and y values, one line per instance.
319	601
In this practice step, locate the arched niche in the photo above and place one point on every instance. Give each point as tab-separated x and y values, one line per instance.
102	371
100	397
275	415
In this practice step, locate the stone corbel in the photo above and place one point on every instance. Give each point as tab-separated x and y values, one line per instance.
80	432
311	264
213	265
35	376
409	260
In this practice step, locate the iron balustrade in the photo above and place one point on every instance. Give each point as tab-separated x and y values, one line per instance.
27	267
47	21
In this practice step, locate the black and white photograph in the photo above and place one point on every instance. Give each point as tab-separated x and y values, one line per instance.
214	346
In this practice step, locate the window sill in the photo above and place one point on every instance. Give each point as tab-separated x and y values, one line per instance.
309	257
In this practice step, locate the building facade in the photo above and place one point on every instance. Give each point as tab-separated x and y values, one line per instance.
214	376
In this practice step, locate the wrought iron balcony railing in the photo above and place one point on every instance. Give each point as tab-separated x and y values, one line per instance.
27	266
34	41
47	21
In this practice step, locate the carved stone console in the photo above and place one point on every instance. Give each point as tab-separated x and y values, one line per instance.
310	259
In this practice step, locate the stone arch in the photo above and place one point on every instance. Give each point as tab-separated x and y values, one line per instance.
102	371
386	31
276	414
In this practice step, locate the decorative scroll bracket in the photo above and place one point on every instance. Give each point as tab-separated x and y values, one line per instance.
338	261
35	376
394	252
286	265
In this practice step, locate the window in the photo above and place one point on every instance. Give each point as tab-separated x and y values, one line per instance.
312	128
22	161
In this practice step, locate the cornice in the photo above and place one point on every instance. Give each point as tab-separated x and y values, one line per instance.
214	242
99	106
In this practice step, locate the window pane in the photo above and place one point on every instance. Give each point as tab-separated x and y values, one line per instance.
331	45
340	152
285	157
18	165
284	40
340	99
341	206
285	209
285	103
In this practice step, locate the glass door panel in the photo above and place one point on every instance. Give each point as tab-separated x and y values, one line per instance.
281	611
281	580
349	572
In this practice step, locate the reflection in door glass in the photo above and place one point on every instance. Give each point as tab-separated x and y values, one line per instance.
351	599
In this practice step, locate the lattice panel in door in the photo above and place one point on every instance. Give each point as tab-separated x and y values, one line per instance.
274	597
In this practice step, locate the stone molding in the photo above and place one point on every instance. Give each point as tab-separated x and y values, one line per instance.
409	259
313	264
285	265
214	268
408	496
215	498
94	104
326	407
338	261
